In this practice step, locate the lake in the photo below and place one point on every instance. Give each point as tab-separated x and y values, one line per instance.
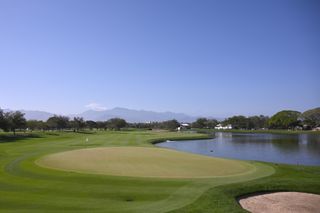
301	149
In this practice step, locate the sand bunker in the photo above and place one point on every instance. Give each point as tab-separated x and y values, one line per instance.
283	202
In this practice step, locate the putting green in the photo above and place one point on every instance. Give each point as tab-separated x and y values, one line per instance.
143	162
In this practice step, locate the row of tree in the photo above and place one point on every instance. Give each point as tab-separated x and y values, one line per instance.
237	122
11	121
76	124
286	119
252	122
168	125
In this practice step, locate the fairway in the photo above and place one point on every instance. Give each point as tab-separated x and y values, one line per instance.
116	171
143	162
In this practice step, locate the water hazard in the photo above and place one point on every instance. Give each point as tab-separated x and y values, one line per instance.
301	149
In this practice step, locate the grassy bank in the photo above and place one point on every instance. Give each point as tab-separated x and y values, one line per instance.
27	187
286	178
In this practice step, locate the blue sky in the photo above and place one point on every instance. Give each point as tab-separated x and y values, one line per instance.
216	58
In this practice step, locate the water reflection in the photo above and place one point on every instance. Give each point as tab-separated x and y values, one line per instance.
279	148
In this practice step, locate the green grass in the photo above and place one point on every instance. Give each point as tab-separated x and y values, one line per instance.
286	178
27	187
143	162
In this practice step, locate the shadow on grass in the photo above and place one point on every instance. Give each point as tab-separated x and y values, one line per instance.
85	145
85	132
53	133
9	138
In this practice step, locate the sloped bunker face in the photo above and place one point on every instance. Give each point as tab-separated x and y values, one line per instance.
143	162
282	202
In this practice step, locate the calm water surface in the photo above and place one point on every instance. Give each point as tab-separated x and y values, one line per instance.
278	148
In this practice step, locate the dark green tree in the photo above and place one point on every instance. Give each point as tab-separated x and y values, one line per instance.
35	125
2	120
286	119
15	120
212	123
102	125
170	125
257	122
237	122
116	123
200	123
52	122
58	122
78	123
91	124
204	123
311	117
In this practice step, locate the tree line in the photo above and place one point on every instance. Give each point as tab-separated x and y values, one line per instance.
15	120
285	119
237	122
76	124
167	125
10	121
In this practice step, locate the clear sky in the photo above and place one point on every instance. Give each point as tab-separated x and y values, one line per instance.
216	58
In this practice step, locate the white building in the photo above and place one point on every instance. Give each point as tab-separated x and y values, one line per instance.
186	125
183	126
220	127
316	128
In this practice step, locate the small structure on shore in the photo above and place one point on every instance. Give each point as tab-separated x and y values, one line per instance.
183	126
220	126
316	128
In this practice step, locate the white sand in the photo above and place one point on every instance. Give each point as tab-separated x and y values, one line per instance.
282	202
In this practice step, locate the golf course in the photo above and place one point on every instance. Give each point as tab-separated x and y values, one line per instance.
122	171
143	162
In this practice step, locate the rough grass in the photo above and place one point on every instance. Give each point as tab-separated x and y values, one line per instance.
26	187
286	178
143	162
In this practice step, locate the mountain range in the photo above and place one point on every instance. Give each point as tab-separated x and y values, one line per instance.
129	115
